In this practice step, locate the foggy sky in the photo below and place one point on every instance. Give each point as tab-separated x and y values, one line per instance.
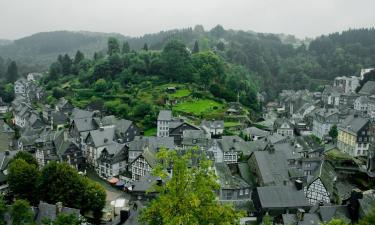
19	18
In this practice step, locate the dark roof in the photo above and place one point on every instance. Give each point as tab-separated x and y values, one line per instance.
81	114
102	136
308	219
227	180
326	173
272	166
368	88
256	131
84	124
281	197
154	143
353	123
165	115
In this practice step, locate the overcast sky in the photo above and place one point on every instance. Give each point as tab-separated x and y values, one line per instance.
19	18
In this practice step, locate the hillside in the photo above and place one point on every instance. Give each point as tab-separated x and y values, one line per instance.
43	48
277	61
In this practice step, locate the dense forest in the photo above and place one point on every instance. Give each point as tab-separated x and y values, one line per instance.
273	61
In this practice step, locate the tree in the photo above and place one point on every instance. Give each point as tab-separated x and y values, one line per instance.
113	46
176	62
58	92
59	182
79	56
220	46
63	219
101	85
369	219
54	70
333	133
3	209
337	222
27	157
188	197
66	65
196	47
267	220
145	47
125	48
21	213
12	72
23	180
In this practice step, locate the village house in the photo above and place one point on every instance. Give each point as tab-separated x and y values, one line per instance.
96	141
348	84
195	138
20	86
177	128
63	105
5	157
232	187
164	119
213	127
284	127
323	120
143	164
274	200
331	95
112	160
125	130
269	167
254	133
353	136
141	144
361	104
6	136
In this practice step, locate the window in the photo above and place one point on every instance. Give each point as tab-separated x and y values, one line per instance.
246	191
241	192
308	164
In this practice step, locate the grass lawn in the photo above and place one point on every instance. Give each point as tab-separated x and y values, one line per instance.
231	124
180	93
150	132
338	155
198	107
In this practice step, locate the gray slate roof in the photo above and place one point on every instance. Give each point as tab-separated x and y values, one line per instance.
281	197
368	88
165	115
353	124
48	211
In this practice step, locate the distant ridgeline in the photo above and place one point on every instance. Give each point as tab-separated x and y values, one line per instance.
277	61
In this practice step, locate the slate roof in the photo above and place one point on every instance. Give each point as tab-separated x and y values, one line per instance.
121	125
5	158
115	152
245	173
84	124
368	88
195	138
281	197
353	124
140	143
366	204
165	115
273	167
256	132
309	219
81	114
102	136
326	173
48	211
227	180
329	212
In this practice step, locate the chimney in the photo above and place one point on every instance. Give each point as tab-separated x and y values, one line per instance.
124	215
271	149
59	207
321	203
354	204
300	214
299	185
